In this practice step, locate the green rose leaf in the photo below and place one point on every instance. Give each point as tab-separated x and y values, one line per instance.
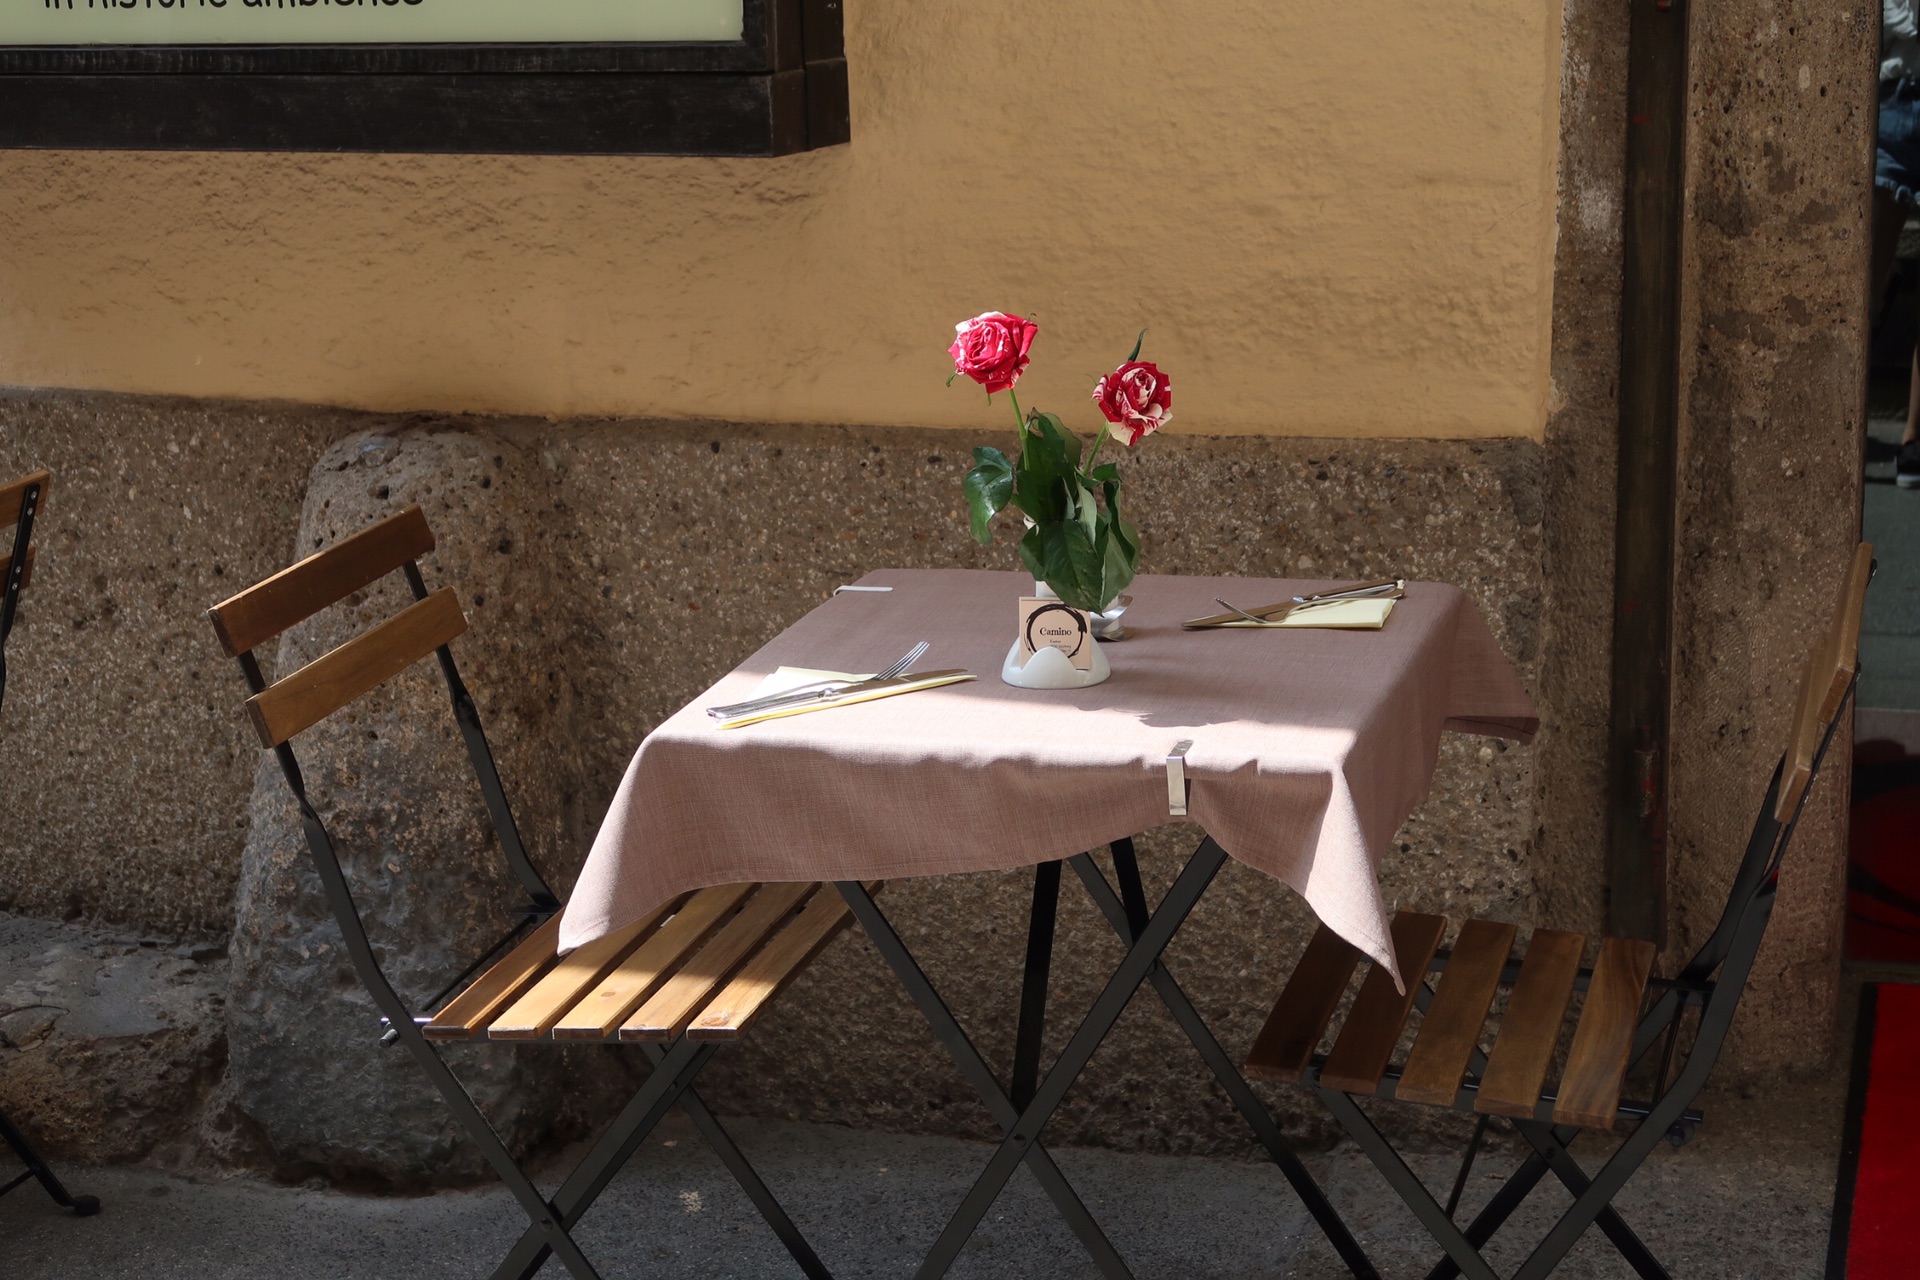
1069	562
1046	469
989	487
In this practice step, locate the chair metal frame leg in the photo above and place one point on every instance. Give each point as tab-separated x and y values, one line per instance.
39	1171
978	1074
550	1221
1550	1143
675	1067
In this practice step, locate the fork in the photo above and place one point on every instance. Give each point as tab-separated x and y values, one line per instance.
818	689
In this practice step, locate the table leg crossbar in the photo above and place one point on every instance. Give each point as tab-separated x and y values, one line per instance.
1147	937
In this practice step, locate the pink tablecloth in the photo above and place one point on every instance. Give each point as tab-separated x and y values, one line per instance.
1310	748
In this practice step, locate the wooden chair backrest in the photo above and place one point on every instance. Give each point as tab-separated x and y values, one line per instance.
301	699
1823	688
11	500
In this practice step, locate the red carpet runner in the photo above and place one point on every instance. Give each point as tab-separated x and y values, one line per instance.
1876	1219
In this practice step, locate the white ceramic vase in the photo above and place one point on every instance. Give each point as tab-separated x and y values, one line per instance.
1050	668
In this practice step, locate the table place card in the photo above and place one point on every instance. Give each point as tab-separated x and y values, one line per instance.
1049	624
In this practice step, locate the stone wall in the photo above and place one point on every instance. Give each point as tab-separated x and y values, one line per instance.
134	808
1772	423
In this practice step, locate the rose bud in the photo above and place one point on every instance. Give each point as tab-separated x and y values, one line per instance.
1137	399
992	349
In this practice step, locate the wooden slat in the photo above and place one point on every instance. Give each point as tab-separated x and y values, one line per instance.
1450	1028
1306	1004
1530	1030
26	574
1829	671
14	494
330	682
669	1010
764	977
578	972
466	1015
295	594
1379	1012
1597	1063
604	1008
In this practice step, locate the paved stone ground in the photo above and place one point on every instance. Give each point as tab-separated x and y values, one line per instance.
1748	1199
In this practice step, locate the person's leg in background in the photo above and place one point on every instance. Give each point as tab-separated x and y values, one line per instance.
1896	176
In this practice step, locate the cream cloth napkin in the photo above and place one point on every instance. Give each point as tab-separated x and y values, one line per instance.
1341	615
792	678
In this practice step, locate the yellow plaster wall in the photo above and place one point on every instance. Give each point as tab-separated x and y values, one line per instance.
1336	218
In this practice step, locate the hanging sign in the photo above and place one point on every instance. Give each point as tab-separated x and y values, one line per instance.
200	22
554	77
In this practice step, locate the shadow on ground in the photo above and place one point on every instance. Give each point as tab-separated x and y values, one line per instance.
1749	1198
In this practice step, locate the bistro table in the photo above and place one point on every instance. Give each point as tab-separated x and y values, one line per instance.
1309	748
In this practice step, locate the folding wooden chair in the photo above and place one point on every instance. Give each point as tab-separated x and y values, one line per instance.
20	503
681	983
1624	1015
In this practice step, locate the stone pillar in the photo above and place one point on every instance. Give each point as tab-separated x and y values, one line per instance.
1780	169
309	1089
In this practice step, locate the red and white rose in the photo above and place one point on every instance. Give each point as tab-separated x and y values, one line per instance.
1137	400
992	349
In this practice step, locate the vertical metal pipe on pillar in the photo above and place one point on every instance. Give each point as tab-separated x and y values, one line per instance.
1653	210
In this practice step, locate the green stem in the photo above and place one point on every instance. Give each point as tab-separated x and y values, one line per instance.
1098	441
1019	419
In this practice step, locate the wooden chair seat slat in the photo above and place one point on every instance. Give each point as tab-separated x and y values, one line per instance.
1450	1028
1299	1017
601	1011
330	682
1517	1069
668	1011
327	577
467	1014
1365	1045
729	1014
547	1001
15	494
26	572
1589	1093
1830	670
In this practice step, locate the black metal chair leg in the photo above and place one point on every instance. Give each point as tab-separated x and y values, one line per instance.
750	1182
1466	1165
1511	1195
615	1146
39	1171
1548	1145
1408	1185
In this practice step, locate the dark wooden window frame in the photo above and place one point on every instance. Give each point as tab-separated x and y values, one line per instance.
782	88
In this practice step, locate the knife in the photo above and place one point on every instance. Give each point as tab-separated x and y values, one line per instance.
1380	589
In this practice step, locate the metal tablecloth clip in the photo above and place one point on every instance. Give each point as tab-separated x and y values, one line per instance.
1177	778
